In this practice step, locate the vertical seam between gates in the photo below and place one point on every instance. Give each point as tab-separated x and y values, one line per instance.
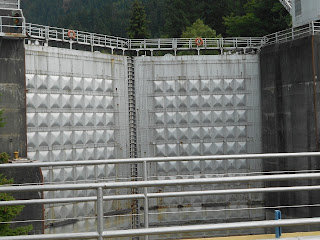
314	94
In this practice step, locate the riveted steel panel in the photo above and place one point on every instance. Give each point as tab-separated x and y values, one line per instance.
198	105
77	110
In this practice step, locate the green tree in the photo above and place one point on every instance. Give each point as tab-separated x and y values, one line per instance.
179	15
199	29
213	11
8	213
138	27
261	18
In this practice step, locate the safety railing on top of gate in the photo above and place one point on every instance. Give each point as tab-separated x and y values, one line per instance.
101	233
80	37
99	40
47	34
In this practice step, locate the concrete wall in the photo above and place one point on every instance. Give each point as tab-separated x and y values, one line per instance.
290	115
13	136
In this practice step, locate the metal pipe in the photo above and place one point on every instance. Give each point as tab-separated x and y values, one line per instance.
66	236
174	229
211	227
161	195
146	200
163	159
234	191
69	200
154	183
163	44
100	212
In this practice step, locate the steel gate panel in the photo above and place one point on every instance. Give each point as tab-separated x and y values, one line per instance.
198	105
77	110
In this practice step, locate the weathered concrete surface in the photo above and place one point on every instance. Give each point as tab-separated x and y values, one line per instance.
13	136
290	107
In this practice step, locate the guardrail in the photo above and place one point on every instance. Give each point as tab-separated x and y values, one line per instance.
312	28
10	4
146	183
69	36
47	34
287	4
12	30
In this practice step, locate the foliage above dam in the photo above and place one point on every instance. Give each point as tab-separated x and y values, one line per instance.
167	18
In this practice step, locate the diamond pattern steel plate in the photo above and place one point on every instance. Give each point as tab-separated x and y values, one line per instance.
198	105
77	110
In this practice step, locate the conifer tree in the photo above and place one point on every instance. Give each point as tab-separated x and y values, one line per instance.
8	213
138	27
261	18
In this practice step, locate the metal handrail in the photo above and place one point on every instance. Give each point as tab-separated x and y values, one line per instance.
161	159
164	44
5	23
157	183
172	230
145	184
287	4
16	5
47	33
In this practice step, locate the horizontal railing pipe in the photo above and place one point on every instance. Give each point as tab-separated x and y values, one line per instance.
161	159
161	195
211	227
154	183
66	236
173	230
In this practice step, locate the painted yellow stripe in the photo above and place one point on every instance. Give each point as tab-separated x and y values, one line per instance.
269	236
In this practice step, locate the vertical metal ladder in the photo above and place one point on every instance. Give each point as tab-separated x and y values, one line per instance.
133	139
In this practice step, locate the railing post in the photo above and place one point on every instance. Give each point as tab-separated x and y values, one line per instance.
91	41
278	229
47	34
24	28
312	23
0	24
100	213
146	200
